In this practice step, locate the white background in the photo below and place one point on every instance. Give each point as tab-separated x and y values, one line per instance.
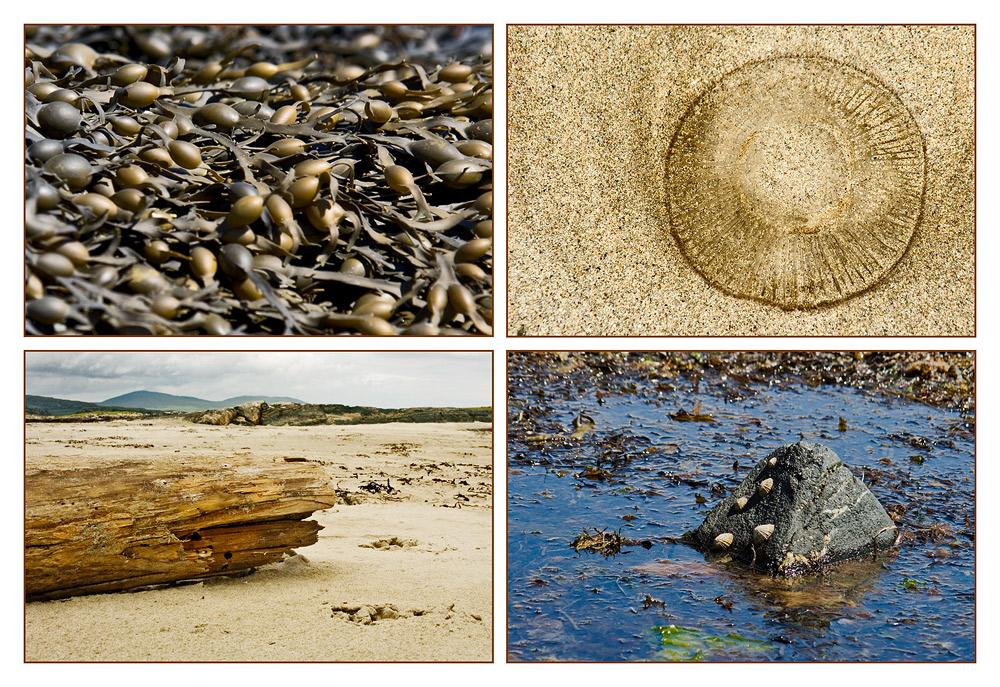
499	13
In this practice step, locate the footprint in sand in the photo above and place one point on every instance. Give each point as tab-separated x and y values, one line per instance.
390	543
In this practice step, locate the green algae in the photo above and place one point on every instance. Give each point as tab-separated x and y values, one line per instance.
689	644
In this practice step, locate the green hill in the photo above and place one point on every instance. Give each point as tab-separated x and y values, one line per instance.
154	400
46	405
147	401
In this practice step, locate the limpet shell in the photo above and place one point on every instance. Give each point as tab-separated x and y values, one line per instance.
740	504
765	487
772	461
723	541
795	181
761	533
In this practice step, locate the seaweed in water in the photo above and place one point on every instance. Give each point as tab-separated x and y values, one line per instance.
689	644
603	542
606	543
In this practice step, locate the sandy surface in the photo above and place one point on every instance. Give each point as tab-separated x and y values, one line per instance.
286	611
591	113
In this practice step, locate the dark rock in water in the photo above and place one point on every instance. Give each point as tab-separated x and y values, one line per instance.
803	509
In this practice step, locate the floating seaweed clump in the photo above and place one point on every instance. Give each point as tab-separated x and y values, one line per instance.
795	181
606	543
694	416
258	180
601	541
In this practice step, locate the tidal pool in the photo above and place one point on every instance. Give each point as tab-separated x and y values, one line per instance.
652	459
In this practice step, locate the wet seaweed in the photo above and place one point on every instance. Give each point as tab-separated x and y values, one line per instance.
606	543
600	541
939	379
690	644
258	180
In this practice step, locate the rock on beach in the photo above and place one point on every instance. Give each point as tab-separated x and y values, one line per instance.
820	513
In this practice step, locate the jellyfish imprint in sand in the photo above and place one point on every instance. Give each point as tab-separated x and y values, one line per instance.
795	181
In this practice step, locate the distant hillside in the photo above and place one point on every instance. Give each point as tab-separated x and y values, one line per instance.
46	405
154	400
150	401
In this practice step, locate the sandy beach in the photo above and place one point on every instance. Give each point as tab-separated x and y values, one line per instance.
423	550
592	111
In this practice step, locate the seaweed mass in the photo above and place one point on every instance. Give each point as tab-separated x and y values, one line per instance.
258	180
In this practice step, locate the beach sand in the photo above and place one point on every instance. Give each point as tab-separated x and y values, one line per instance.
426	548
591	113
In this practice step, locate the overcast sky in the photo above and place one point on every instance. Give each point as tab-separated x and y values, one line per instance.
384	379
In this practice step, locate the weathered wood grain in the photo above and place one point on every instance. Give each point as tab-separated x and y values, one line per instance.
135	523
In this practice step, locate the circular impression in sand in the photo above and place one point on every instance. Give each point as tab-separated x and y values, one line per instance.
795	181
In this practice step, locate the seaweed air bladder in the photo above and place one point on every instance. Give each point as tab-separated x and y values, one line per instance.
796	182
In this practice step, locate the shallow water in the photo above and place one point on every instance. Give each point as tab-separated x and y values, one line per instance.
648	473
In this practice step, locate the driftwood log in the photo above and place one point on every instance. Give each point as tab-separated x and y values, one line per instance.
142	522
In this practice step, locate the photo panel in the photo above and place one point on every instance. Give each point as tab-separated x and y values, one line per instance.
263	506
741	180
261	180
743	506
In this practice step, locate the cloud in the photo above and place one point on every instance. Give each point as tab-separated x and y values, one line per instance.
385	379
